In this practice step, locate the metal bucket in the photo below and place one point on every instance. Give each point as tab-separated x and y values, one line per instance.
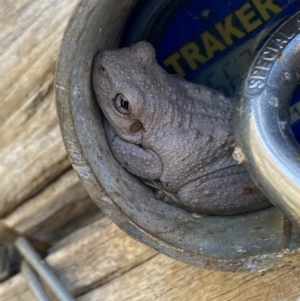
242	243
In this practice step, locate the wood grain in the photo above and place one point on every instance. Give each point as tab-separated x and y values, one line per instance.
34	156
63	201
101	262
102	253
31	149
31	32
164	279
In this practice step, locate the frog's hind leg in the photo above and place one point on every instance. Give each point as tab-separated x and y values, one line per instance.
233	194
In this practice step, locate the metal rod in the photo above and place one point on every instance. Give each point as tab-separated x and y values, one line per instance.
40	266
33	283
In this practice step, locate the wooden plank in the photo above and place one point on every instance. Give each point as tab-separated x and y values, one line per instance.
85	213
102	253
103	258
30	39
58	210
31	149
34	157
118	268
60	203
162	278
9	235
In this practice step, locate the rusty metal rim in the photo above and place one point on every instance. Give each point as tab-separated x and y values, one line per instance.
95	185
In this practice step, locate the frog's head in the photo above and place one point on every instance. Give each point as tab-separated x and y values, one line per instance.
123	80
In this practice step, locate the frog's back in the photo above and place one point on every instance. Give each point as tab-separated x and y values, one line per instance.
193	137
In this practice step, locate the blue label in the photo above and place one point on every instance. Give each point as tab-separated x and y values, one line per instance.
205	31
210	42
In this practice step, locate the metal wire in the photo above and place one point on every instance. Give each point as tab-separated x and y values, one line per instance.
33	282
41	267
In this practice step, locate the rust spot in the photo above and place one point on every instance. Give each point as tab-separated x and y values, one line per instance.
249	190
279	55
135	127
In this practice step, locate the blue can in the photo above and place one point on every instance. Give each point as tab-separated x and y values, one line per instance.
210	42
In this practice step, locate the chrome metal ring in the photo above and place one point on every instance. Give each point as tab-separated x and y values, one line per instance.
264	138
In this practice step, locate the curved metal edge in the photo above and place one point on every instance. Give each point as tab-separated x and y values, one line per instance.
74	150
261	118
140	26
89	179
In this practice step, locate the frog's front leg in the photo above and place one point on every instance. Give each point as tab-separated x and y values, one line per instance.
139	161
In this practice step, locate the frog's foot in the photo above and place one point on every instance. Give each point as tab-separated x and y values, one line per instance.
167	197
228	195
159	195
141	162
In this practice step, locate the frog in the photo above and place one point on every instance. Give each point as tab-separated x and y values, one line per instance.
174	135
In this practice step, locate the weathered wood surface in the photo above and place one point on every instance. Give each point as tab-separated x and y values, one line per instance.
101	262
31	149
40	196
44	215
85	263
161	278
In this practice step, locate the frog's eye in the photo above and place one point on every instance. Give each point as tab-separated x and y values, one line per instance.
122	104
